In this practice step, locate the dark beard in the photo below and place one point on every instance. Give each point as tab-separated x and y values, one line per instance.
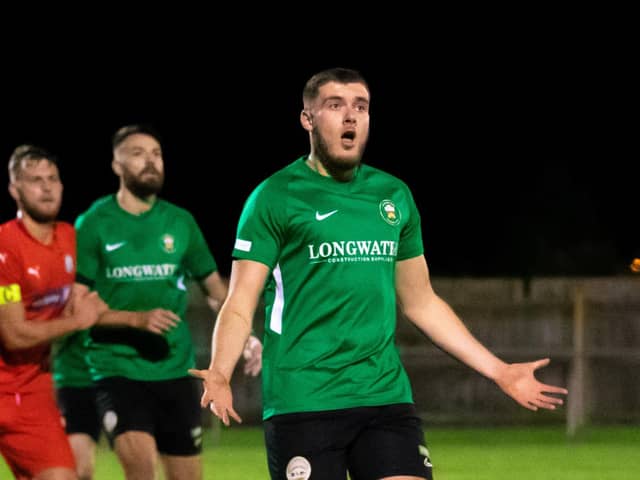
333	164
142	189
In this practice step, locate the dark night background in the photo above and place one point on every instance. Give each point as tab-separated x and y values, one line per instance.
519	156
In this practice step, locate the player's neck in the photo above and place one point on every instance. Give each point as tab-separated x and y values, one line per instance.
324	169
43	232
132	204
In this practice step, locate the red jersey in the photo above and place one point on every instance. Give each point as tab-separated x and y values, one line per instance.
41	276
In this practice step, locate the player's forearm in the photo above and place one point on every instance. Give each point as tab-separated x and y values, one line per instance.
445	328
229	337
27	334
120	318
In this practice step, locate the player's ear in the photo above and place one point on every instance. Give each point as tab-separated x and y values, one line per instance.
13	191
116	167
306	119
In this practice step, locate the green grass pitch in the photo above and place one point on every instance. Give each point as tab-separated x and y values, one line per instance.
505	453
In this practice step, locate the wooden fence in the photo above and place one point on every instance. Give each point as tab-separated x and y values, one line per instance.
589	327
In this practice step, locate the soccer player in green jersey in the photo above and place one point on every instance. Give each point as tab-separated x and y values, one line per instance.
139	251
334	244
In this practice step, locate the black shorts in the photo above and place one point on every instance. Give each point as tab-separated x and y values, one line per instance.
169	410
368	442
80	411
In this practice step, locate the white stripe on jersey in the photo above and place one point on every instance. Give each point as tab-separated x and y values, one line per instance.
278	303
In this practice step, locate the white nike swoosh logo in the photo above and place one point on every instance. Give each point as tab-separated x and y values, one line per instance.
322	216
110	247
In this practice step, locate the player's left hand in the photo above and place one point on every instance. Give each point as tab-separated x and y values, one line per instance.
519	382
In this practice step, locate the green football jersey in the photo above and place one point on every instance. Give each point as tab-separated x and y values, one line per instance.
330	300
69	363
138	263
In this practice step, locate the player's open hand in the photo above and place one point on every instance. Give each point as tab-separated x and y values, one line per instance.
519	382
217	395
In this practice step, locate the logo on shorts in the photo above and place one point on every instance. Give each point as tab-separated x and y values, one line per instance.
425	453
196	436
109	421
298	468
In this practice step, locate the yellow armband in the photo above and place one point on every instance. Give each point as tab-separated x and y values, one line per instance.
10	294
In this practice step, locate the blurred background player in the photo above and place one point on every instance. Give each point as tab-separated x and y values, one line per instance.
138	251
37	272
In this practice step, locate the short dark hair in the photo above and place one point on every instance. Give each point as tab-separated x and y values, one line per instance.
340	75
123	132
27	152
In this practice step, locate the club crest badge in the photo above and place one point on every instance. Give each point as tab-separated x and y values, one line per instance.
389	212
168	243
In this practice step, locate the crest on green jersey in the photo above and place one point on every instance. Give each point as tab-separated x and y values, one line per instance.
389	212
168	243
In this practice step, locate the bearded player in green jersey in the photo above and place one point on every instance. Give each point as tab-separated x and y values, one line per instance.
338	243
139	251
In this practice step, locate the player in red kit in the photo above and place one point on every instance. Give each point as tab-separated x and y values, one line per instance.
37	271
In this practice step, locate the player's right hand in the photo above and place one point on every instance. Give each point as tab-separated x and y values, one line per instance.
217	395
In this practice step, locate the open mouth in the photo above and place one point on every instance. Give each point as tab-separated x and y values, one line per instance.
348	139
349	135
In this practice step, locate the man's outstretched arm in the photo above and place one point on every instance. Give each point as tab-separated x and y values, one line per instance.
433	316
